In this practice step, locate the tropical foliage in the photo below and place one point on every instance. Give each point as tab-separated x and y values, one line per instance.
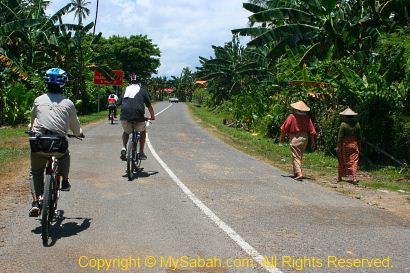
332	54
32	41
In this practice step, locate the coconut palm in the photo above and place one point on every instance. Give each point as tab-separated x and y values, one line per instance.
80	10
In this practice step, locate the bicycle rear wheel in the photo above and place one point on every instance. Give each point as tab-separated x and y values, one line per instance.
130	159
137	154
47	212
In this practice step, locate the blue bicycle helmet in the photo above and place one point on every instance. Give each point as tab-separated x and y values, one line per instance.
56	76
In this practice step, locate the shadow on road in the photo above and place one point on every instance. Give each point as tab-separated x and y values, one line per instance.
65	227
297	180
141	173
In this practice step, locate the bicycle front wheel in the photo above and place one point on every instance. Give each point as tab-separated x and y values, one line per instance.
48	209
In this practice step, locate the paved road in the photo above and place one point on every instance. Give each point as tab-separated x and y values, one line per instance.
204	202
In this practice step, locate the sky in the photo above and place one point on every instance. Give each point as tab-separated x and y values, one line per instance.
183	30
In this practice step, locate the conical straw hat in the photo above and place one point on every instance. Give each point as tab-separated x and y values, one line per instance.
301	106
348	112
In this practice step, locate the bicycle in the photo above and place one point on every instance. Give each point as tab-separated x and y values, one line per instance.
111	114
133	154
51	194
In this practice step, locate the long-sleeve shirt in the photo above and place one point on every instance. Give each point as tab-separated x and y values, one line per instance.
55	113
349	130
295	123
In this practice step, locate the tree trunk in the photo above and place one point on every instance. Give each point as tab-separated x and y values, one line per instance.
95	21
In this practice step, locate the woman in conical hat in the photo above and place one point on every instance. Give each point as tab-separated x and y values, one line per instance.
298	126
348	145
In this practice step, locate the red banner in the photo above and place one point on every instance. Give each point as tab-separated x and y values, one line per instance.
100	79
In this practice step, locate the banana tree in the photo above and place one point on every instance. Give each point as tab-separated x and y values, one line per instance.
28	36
322	27
232	68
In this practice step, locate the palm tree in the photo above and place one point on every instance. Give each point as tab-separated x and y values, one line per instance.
80	10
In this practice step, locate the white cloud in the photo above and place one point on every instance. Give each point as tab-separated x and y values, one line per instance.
182	29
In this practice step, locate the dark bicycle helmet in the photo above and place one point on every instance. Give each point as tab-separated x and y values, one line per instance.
133	78
56	76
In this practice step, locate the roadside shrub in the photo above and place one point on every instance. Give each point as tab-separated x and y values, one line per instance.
199	96
17	101
377	127
401	137
271	122
329	130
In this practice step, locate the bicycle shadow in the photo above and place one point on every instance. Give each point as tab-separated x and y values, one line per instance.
141	174
67	229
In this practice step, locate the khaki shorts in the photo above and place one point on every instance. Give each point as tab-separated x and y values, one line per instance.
129	125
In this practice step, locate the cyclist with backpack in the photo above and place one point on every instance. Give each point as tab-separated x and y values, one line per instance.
52	115
112	105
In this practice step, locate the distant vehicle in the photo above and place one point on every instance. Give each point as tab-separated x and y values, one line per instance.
174	99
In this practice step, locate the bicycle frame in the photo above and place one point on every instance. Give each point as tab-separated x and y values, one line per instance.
51	169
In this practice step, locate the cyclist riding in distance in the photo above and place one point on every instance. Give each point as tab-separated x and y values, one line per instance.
134	99
112	104
52	114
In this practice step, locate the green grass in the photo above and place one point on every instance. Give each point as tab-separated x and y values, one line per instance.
93	117
316	165
9	154
12	132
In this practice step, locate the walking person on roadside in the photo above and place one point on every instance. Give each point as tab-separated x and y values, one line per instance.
52	115
134	100
348	146
298	126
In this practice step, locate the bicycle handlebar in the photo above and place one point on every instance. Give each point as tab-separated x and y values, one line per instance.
32	133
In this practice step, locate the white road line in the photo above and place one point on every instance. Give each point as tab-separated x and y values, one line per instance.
163	110
251	251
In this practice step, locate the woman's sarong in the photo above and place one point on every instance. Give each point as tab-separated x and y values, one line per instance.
298	143
348	158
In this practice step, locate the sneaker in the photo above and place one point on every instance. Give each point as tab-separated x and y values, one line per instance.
143	156
123	154
35	209
65	185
